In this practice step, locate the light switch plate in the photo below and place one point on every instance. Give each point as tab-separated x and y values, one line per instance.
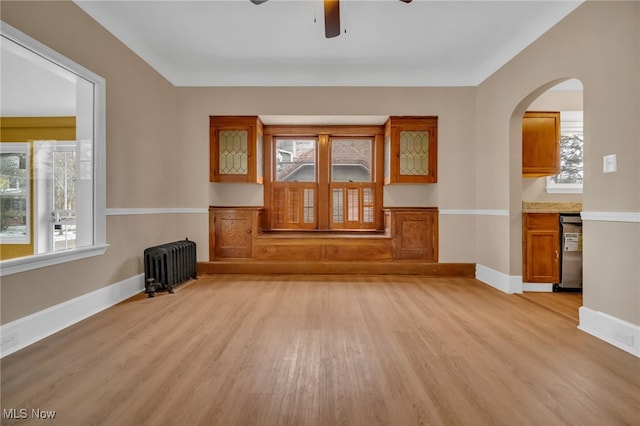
610	163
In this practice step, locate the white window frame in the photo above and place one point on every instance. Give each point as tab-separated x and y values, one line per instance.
20	148
99	246
568	122
43	190
563	188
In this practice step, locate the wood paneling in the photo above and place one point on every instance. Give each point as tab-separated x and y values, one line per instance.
311	246
345	267
231	232
326	350
237	233
415	233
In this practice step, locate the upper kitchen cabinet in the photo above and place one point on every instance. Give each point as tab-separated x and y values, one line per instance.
235	144
540	144
411	150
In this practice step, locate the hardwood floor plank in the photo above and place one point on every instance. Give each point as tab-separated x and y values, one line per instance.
566	304
325	350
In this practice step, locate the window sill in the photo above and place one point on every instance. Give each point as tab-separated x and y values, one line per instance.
564	188
23	264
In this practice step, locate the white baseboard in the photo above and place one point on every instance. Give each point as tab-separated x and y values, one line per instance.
612	330
25	331
503	282
539	288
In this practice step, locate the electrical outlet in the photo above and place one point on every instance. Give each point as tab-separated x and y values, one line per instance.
623	336
9	340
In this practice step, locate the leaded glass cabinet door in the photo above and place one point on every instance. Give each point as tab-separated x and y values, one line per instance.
236	149
411	150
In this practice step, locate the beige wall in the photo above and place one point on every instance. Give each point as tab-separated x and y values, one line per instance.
599	43
142	143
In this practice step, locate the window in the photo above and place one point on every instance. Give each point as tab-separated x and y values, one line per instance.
52	187
352	183
324	179
296	160
15	193
295	183
60	196
571	155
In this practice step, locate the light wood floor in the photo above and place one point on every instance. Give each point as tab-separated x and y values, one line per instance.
565	304
325	350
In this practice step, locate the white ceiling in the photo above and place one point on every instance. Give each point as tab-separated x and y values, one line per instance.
277	43
237	43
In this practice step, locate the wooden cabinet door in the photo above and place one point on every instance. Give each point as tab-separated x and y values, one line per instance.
540	144
415	235
235	147
232	234
541	245
411	150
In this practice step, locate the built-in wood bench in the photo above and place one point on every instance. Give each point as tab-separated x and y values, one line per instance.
322	246
407	245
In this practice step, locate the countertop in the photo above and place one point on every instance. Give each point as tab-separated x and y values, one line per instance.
551	207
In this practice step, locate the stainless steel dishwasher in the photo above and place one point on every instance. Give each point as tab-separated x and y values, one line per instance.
570	253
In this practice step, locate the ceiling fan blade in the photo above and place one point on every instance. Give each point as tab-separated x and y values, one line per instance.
262	1
331	18
405	1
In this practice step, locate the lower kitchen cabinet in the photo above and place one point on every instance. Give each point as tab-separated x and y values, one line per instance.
540	247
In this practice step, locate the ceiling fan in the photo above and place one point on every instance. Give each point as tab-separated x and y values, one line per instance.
331	16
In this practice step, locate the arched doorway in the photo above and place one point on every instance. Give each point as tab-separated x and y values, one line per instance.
548	193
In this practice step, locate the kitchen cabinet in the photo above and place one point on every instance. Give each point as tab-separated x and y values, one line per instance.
540	144
541	245
414	233
411	150
235	149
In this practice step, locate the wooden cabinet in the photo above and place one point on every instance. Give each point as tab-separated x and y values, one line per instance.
238	233
411	150
235	149
233	231
414	233
540	144
541	245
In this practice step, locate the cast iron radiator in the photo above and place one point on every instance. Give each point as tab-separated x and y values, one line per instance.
168	265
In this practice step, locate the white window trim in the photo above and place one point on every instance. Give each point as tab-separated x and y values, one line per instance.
563	188
570	121
22	264
20	148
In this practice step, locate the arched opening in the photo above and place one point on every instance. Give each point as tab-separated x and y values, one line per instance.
548	193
